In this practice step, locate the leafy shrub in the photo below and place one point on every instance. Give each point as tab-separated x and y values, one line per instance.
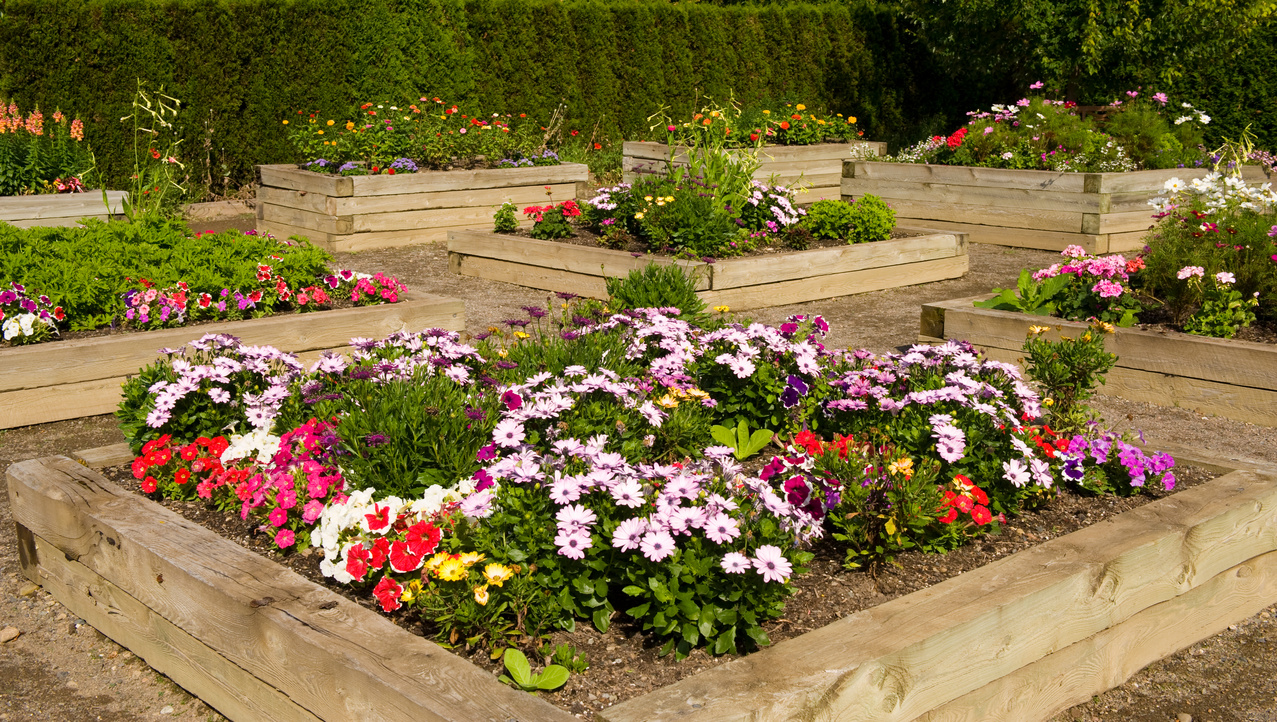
551	221
504	220
658	286
830	219
872	219
1068	371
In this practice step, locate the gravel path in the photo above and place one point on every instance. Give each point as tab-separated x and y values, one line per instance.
59	668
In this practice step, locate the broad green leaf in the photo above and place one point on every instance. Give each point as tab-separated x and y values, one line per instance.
552	677
516	663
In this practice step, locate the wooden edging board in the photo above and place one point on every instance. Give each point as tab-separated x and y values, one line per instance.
60	209
69	379
1049	210
741	283
1226	377
360	213
1036	632
815	170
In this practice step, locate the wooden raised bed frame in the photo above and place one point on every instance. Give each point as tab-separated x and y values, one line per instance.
815	170
360	213
1019	639
741	283
1225	377
68	379
60	209
1101	212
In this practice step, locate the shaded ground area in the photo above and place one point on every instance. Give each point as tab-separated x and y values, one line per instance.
59	670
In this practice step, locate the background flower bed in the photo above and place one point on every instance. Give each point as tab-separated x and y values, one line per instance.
604	61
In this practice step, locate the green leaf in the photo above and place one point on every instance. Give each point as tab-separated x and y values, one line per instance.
726	642
640	611
758	635
516	663
632	590
691	634
552	677
689	609
602	618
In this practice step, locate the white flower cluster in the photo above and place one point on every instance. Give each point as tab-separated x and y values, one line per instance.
1219	192
23	325
259	444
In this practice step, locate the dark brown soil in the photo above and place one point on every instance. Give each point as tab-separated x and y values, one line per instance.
1230	679
625	664
1262	331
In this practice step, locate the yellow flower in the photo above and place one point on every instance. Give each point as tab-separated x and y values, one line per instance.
661	202
903	467
1086	337
713	113
432	564
668	401
521	335
800	106
471	558
330	122
767	112
452	570
350	125
321	132
820	121
481	594
1038	330
638	216
411	591
1048	402
722	309
285	122
669	199
496	574
852	119
647	198
502	353
1103	326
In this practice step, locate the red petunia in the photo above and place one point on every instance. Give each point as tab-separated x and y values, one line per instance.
387	593
190	451
379	519
402	559
182	476
422	537
139	467
949	516
357	562
981	515
377	555
964	504
149	484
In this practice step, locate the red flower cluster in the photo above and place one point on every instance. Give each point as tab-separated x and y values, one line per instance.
404	554
568	208
159	464
967	499
956	139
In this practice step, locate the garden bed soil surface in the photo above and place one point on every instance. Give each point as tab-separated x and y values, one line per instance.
626	664
1229	677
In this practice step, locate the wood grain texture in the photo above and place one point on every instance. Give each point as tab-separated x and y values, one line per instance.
755	270
330	656
454	180
291	177
485	197
169	650
1043	200
964	175
1017	237
896	661
552	255
60	206
1004	216
1240	363
522	274
283	230
308	220
837	284
1107	659
100	457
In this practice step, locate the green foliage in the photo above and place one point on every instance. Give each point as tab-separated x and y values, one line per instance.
830	219
567	656
872	220
1223	310
519	673
877	521
1068	371
1029	296
87	270
504	220
742	442
658	285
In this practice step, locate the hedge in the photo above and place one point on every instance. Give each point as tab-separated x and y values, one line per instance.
241	66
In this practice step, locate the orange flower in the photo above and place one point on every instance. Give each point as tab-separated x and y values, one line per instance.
796	116
784	125
707	121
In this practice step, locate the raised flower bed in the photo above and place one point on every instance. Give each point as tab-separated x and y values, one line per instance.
1229	378
359	213
741	283
82	377
1051	210
1039	631
815	169
60	209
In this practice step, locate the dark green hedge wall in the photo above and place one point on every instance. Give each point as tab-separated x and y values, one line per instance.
241	66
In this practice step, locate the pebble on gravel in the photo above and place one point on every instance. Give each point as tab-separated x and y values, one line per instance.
8	634
28	589
168	709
